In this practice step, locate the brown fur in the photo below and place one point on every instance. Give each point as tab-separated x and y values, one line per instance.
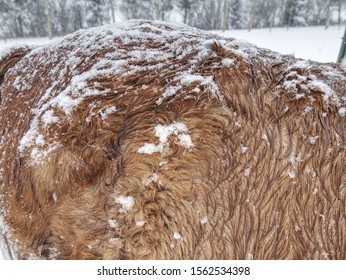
254	209
9	60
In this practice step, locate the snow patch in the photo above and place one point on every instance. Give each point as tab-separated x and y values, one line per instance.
237	124
162	163
307	109
328	95
299	96
48	118
163	132
313	139
185	141
294	82
204	220
311	172
244	149
294	159
186	79
112	223
177	236
325	255
126	202
105	113
149	148
292	175
342	111
264	137
37	155
226	62
140	223
152	179
4	52
54	197
300	64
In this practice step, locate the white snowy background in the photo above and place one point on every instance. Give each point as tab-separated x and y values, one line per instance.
314	43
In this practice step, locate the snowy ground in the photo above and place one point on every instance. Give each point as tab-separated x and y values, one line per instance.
313	43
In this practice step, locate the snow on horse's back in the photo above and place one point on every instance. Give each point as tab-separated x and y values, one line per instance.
147	140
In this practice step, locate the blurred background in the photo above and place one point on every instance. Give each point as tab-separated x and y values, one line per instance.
310	29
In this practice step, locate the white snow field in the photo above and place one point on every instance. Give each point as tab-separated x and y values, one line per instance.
314	43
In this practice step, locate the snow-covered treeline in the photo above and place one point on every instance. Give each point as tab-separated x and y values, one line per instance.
22	18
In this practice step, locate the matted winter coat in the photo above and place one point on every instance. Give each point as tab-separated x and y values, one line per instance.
146	140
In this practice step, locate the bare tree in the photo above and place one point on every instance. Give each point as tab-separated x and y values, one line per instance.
157	9
342	53
135	9
328	4
48	19
252	17
21	18
236	14
340	6
112	10
160	8
225	15
2	32
185	6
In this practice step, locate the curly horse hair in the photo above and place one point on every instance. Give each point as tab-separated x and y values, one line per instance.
146	140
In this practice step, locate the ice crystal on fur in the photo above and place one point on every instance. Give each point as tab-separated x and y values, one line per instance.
126	202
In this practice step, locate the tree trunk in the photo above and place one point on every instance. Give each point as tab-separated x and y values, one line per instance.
289	22
339	13
342	53
290	8
3	32
328	14
20	23
112	10
185	15
48	19
271	23
157	9
252	15
225	15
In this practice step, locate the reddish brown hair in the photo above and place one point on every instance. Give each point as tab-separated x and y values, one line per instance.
207	149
